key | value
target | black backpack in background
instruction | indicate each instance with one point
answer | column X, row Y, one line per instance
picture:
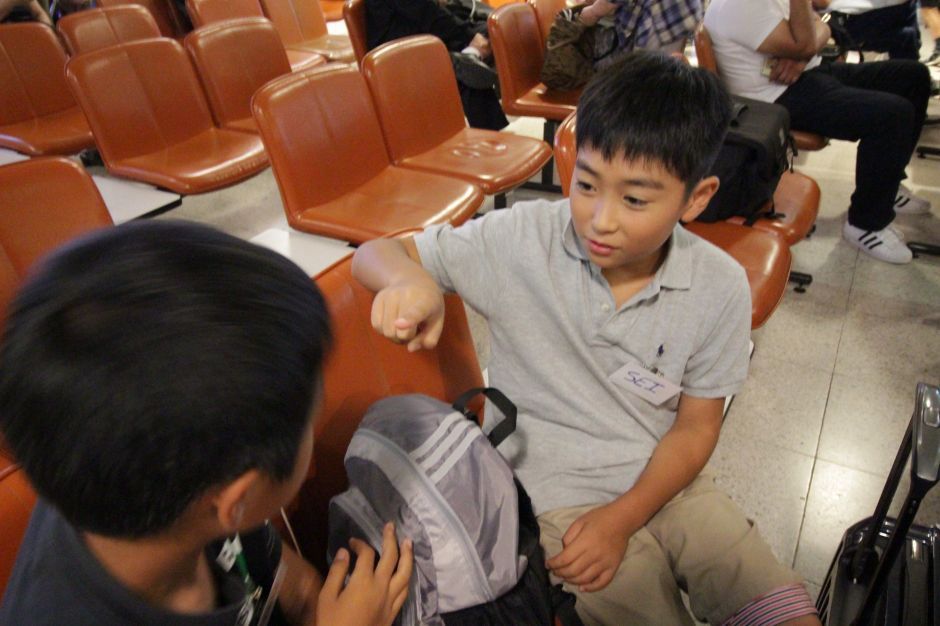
column 755, row 154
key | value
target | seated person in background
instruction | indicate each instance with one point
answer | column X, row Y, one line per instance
column 23, row 11
column 648, row 24
column 768, row 50
column 618, row 334
column 880, row 25
column 159, row 389
column 387, row 20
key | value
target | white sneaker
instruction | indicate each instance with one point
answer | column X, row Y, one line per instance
column 906, row 202
column 882, row 244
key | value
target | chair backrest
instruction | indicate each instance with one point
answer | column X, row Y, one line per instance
column 85, row 31
column 363, row 367
column 139, row 97
column 234, row 59
column 296, row 20
column 32, row 73
column 417, row 110
column 704, row 51
column 163, row 11
column 44, row 203
column 17, row 500
column 321, row 133
column 204, row 12
column 566, row 151
column 517, row 48
column 546, row 10
column 354, row 14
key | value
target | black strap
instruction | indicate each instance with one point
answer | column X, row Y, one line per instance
column 504, row 404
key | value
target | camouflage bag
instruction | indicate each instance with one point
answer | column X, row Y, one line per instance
column 573, row 49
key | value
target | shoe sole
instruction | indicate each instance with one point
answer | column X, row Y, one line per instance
column 474, row 75
column 907, row 206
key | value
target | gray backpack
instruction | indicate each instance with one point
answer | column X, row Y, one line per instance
column 426, row 466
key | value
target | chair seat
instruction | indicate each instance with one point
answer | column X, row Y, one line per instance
column 808, row 141
column 333, row 47
column 395, row 200
column 495, row 161
column 765, row 257
column 65, row 132
column 332, row 9
column 796, row 201
column 243, row 125
column 210, row 160
column 540, row 101
column 303, row 59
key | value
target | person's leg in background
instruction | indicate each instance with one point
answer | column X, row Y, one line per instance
column 891, row 29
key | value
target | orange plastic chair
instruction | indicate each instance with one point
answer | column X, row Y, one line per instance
column 332, row 168
column 302, row 26
column 546, row 10
column 151, row 120
column 354, row 14
column 423, row 123
column 164, row 13
column 206, row 12
column 332, row 10
column 765, row 256
column 234, row 59
column 705, row 53
column 38, row 114
column 92, row 29
column 519, row 51
column 363, row 367
column 44, row 203
column 17, row 500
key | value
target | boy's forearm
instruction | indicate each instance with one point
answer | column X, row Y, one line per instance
column 678, row 459
column 807, row 29
column 380, row 263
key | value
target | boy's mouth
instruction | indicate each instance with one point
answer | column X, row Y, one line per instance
column 599, row 248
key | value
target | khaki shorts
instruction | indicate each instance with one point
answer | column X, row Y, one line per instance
column 700, row 542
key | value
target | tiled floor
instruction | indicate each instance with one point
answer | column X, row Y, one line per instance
column 807, row 444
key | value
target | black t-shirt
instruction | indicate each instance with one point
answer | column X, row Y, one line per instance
column 57, row 581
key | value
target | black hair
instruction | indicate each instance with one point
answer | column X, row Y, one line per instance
column 144, row 364
column 650, row 106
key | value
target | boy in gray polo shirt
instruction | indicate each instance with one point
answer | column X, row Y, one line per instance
column 618, row 334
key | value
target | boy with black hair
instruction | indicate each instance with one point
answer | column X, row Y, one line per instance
column 618, row 334
column 159, row 387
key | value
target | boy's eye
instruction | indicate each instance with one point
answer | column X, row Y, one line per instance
column 635, row 202
column 583, row 186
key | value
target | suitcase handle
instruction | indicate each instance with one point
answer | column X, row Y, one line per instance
column 923, row 435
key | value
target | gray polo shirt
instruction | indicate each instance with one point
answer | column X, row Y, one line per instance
column 557, row 338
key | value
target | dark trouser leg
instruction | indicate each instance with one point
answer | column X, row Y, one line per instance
column 482, row 108
column 880, row 105
column 892, row 29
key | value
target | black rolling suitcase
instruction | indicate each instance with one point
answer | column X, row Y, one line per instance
column 885, row 570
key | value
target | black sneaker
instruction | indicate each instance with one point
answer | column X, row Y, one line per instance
column 473, row 72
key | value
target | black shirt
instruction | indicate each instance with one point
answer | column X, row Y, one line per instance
column 58, row 581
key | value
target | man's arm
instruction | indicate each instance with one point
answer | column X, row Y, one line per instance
column 596, row 542
column 408, row 305
column 800, row 37
column 39, row 14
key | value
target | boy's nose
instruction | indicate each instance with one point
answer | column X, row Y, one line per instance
column 603, row 218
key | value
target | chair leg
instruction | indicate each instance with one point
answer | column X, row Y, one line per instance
column 548, row 170
column 924, row 248
column 802, row 280
column 499, row 201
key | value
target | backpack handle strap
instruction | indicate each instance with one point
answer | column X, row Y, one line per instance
column 498, row 398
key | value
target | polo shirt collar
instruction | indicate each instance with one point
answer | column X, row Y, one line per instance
column 674, row 273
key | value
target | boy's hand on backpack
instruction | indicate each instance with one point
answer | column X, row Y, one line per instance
column 412, row 313
column 375, row 593
column 594, row 547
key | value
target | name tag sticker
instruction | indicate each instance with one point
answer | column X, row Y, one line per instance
column 640, row 381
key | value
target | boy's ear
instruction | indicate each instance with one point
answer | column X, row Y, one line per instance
column 231, row 501
column 699, row 198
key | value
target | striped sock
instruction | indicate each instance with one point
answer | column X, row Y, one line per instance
column 780, row 605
